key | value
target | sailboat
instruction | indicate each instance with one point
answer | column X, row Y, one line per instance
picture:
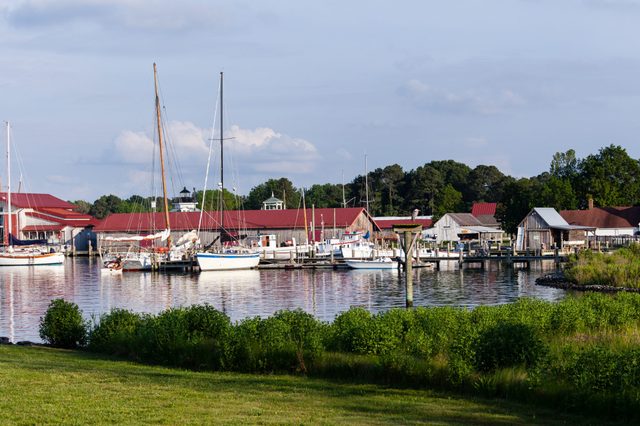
column 148, row 253
column 230, row 257
column 25, row 256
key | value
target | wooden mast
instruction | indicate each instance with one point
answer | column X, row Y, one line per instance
column 7, row 232
column 221, row 162
column 164, row 181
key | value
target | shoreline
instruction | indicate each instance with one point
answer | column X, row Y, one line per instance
column 559, row 281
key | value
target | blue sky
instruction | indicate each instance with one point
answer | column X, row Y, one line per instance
column 311, row 87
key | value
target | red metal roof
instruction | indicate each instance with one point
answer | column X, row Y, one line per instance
column 385, row 224
column 76, row 221
column 65, row 214
column 36, row 201
column 483, row 209
column 236, row 219
column 604, row 217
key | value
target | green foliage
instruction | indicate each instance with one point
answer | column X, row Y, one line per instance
column 508, row 345
column 62, row 325
column 281, row 188
column 115, row 332
column 618, row 269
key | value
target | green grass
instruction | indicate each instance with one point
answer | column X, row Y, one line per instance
column 50, row 386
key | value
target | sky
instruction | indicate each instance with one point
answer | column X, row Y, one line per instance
column 311, row 88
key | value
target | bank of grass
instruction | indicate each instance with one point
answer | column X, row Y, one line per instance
column 53, row 386
column 620, row 268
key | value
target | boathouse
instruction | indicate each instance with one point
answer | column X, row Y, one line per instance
column 464, row 226
column 287, row 225
column 544, row 228
column 45, row 217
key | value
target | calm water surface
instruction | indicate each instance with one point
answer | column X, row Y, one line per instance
column 25, row 292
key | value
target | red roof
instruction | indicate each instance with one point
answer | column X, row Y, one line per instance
column 604, row 217
column 483, row 209
column 36, row 201
column 386, row 224
column 236, row 219
column 65, row 214
column 76, row 220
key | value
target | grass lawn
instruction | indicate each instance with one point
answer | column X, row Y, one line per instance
column 43, row 385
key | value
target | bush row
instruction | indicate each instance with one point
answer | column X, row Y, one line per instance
column 445, row 346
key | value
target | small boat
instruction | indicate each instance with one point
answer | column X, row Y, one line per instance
column 377, row 263
column 112, row 269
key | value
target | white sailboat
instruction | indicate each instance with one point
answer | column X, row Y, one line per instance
column 25, row 256
column 231, row 257
column 377, row 263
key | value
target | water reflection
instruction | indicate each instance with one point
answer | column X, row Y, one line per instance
column 26, row 292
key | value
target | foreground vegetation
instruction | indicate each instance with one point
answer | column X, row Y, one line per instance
column 53, row 386
column 579, row 354
column 618, row 269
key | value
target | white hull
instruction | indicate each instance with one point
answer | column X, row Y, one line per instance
column 283, row 253
column 227, row 261
column 31, row 259
column 372, row 264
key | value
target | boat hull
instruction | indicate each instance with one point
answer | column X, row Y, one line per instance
column 18, row 259
column 227, row 261
column 371, row 264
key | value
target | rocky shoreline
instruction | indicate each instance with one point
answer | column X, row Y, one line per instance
column 558, row 280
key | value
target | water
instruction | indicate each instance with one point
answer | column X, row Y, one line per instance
column 25, row 292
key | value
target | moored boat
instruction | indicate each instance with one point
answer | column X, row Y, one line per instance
column 377, row 263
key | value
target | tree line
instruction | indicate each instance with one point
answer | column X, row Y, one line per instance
column 610, row 178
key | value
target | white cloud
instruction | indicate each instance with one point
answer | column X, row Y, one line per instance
column 259, row 150
column 133, row 147
column 470, row 101
column 269, row 151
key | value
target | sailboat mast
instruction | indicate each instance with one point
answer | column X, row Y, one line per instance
column 221, row 158
column 366, row 183
column 164, row 180
column 7, row 232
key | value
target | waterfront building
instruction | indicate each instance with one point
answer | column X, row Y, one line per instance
column 286, row 224
column 45, row 217
column 544, row 228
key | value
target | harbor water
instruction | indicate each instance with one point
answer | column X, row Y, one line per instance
column 25, row 292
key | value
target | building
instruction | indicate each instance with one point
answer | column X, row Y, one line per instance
column 185, row 202
column 613, row 225
column 273, row 203
column 464, row 226
column 486, row 214
column 287, row 225
column 386, row 223
column 544, row 228
column 45, row 217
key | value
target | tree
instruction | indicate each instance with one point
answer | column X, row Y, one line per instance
column 611, row 177
column 449, row 200
column 517, row 200
column 564, row 165
column 212, row 200
column 325, row 195
column 281, row 188
column 422, row 185
column 82, row 206
column 557, row 192
column 105, row 205
column 485, row 183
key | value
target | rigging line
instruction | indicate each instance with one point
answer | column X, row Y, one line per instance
column 206, row 176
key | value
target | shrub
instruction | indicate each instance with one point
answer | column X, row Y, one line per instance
column 354, row 331
column 115, row 333
column 63, row 326
column 508, row 345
